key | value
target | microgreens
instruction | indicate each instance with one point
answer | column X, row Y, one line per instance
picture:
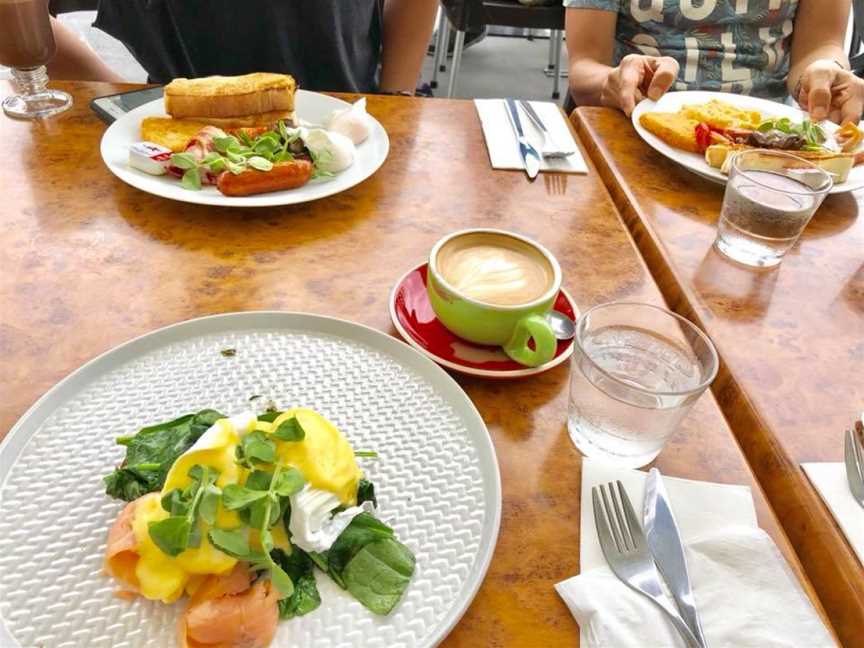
column 261, row 502
column 200, row 498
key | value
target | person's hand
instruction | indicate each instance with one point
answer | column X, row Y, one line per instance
column 827, row 91
column 637, row 77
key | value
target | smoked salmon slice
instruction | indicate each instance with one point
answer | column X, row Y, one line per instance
column 226, row 613
column 121, row 556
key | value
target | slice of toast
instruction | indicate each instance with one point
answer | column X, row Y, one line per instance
column 224, row 96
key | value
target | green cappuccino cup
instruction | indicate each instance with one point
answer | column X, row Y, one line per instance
column 494, row 287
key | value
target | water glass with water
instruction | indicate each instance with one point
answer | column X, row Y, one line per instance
column 636, row 371
column 770, row 197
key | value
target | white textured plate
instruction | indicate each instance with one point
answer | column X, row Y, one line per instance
column 310, row 106
column 674, row 101
column 436, row 479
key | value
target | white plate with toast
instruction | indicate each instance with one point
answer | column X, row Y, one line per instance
column 311, row 107
column 674, row 101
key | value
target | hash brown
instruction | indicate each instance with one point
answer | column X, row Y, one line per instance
column 673, row 128
column 721, row 115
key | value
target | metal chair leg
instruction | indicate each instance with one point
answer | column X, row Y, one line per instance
column 444, row 39
column 551, row 64
column 558, row 38
column 440, row 45
column 457, row 61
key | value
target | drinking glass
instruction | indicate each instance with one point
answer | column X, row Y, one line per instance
column 770, row 197
column 26, row 45
column 636, row 371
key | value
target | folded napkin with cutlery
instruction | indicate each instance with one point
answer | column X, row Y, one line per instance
column 744, row 590
column 501, row 140
column 830, row 480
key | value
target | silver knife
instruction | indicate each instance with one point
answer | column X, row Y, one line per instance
column 664, row 541
column 530, row 157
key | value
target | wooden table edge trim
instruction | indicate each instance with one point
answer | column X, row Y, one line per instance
column 737, row 409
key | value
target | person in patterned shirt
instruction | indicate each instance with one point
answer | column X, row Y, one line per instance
column 623, row 50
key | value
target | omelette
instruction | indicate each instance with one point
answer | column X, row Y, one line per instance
column 171, row 133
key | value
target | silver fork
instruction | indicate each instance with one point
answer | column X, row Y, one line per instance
column 623, row 543
column 549, row 148
column 855, row 462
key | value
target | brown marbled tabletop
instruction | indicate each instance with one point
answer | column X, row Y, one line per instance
column 791, row 338
column 89, row 262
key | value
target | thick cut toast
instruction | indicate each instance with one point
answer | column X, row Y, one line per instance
column 223, row 96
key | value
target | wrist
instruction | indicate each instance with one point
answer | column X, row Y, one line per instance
column 608, row 98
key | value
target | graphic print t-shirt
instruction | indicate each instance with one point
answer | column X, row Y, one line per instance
column 739, row 46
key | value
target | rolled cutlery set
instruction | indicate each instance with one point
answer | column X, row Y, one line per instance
column 634, row 555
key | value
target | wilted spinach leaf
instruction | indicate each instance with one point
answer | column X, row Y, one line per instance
column 305, row 597
column 151, row 452
column 379, row 573
column 364, row 529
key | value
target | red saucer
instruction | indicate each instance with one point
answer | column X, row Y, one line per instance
column 415, row 320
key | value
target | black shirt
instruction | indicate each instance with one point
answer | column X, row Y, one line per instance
column 324, row 44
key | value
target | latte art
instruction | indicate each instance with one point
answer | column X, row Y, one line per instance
column 495, row 269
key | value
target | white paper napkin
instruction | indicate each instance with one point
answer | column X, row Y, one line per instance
column 700, row 507
column 830, row 480
column 747, row 595
column 501, row 140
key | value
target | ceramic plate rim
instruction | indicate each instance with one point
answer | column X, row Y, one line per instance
column 149, row 184
column 695, row 163
column 36, row 415
column 471, row 371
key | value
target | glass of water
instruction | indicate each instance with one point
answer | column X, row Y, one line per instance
column 636, row 371
column 770, row 197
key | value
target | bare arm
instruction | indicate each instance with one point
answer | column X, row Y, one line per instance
column 590, row 47
column 75, row 61
column 819, row 77
column 820, row 29
column 593, row 79
column 407, row 28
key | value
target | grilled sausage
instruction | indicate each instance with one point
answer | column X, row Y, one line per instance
column 283, row 175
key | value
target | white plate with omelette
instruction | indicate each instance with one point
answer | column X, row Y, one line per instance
column 674, row 101
column 436, row 476
column 310, row 107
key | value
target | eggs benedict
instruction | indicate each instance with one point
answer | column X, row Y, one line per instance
column 241, row 519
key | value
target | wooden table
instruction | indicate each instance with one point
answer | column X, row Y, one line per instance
column 89, row 262
column 791, row 339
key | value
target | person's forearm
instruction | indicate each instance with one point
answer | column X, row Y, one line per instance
column 587, row 78
column 75, row 60
column 830, row 52
column 407, row 28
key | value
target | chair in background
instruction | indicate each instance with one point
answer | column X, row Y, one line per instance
column 856, row 56
column 466, row 15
